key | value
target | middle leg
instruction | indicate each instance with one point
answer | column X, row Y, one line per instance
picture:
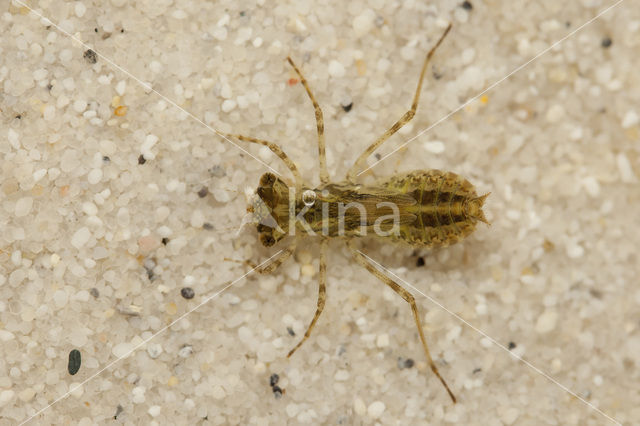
column 322, row 294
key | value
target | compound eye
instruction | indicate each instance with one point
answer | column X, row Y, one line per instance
column 309, row 197
column 267, row 240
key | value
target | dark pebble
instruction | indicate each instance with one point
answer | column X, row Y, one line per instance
column 106, row 159
column 277, row 392
column 203, row 192
column 207, row 226
column 405, row 363
column 75, row 360
column 347, row 107
column 119, row 411
column 187, row 292
column 466, row 5
column 141, row 159
column 420, row 261
column 290, row 331
column 165, row 241
column 94, row 292
column 273, row 380
column 606, row 42
column 90, row 56
column 512, row 345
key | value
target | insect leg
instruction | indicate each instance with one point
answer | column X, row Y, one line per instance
column 279, row 259
column 273, row 265
column 412, row 302
column 277, row 151
column 351, row 175
column 322, row 156
column 322, row 292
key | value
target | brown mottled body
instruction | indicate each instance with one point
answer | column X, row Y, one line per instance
column 447, row 207
column 424, row 208
column 435, row 209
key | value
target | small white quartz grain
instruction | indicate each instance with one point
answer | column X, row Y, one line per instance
column 76, row 389
column 185, row 351
column 40, row 74
column 359, row 407
column 155, row 67
column 89, row 208
column 39, row 174
column 575, row 251
column 121, row 87
column 336, row 69
column 341, row 375
column 80, row 9
column 154, row 350
column 364, row 22
column 60, row 298
column 94, row 176
column 624, row 167
column 292, row 409
column 435, row 147
column 382, row 341
column 6, row 396
column 509, row 416
column 49, row 112
column 14, row 138
column 197, row 218
column 591, row 185
column 154, row 410
column 630, row 119
column 5, row 335
column 546, row 322
column 218, row 392
column 376, row 409
column 118, row 3
column 555, row 113
column 221, row 195
column 228, row 105
column 138, row 394
column 122, row 217
column 122, row 349
column 149, row 141
column 79, row 105
column 80, row 237
column 23, row 206
column 27, row 394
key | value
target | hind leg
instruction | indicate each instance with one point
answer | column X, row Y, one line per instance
column 408, row 297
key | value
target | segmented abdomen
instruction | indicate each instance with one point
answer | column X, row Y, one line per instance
column 441, row 219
